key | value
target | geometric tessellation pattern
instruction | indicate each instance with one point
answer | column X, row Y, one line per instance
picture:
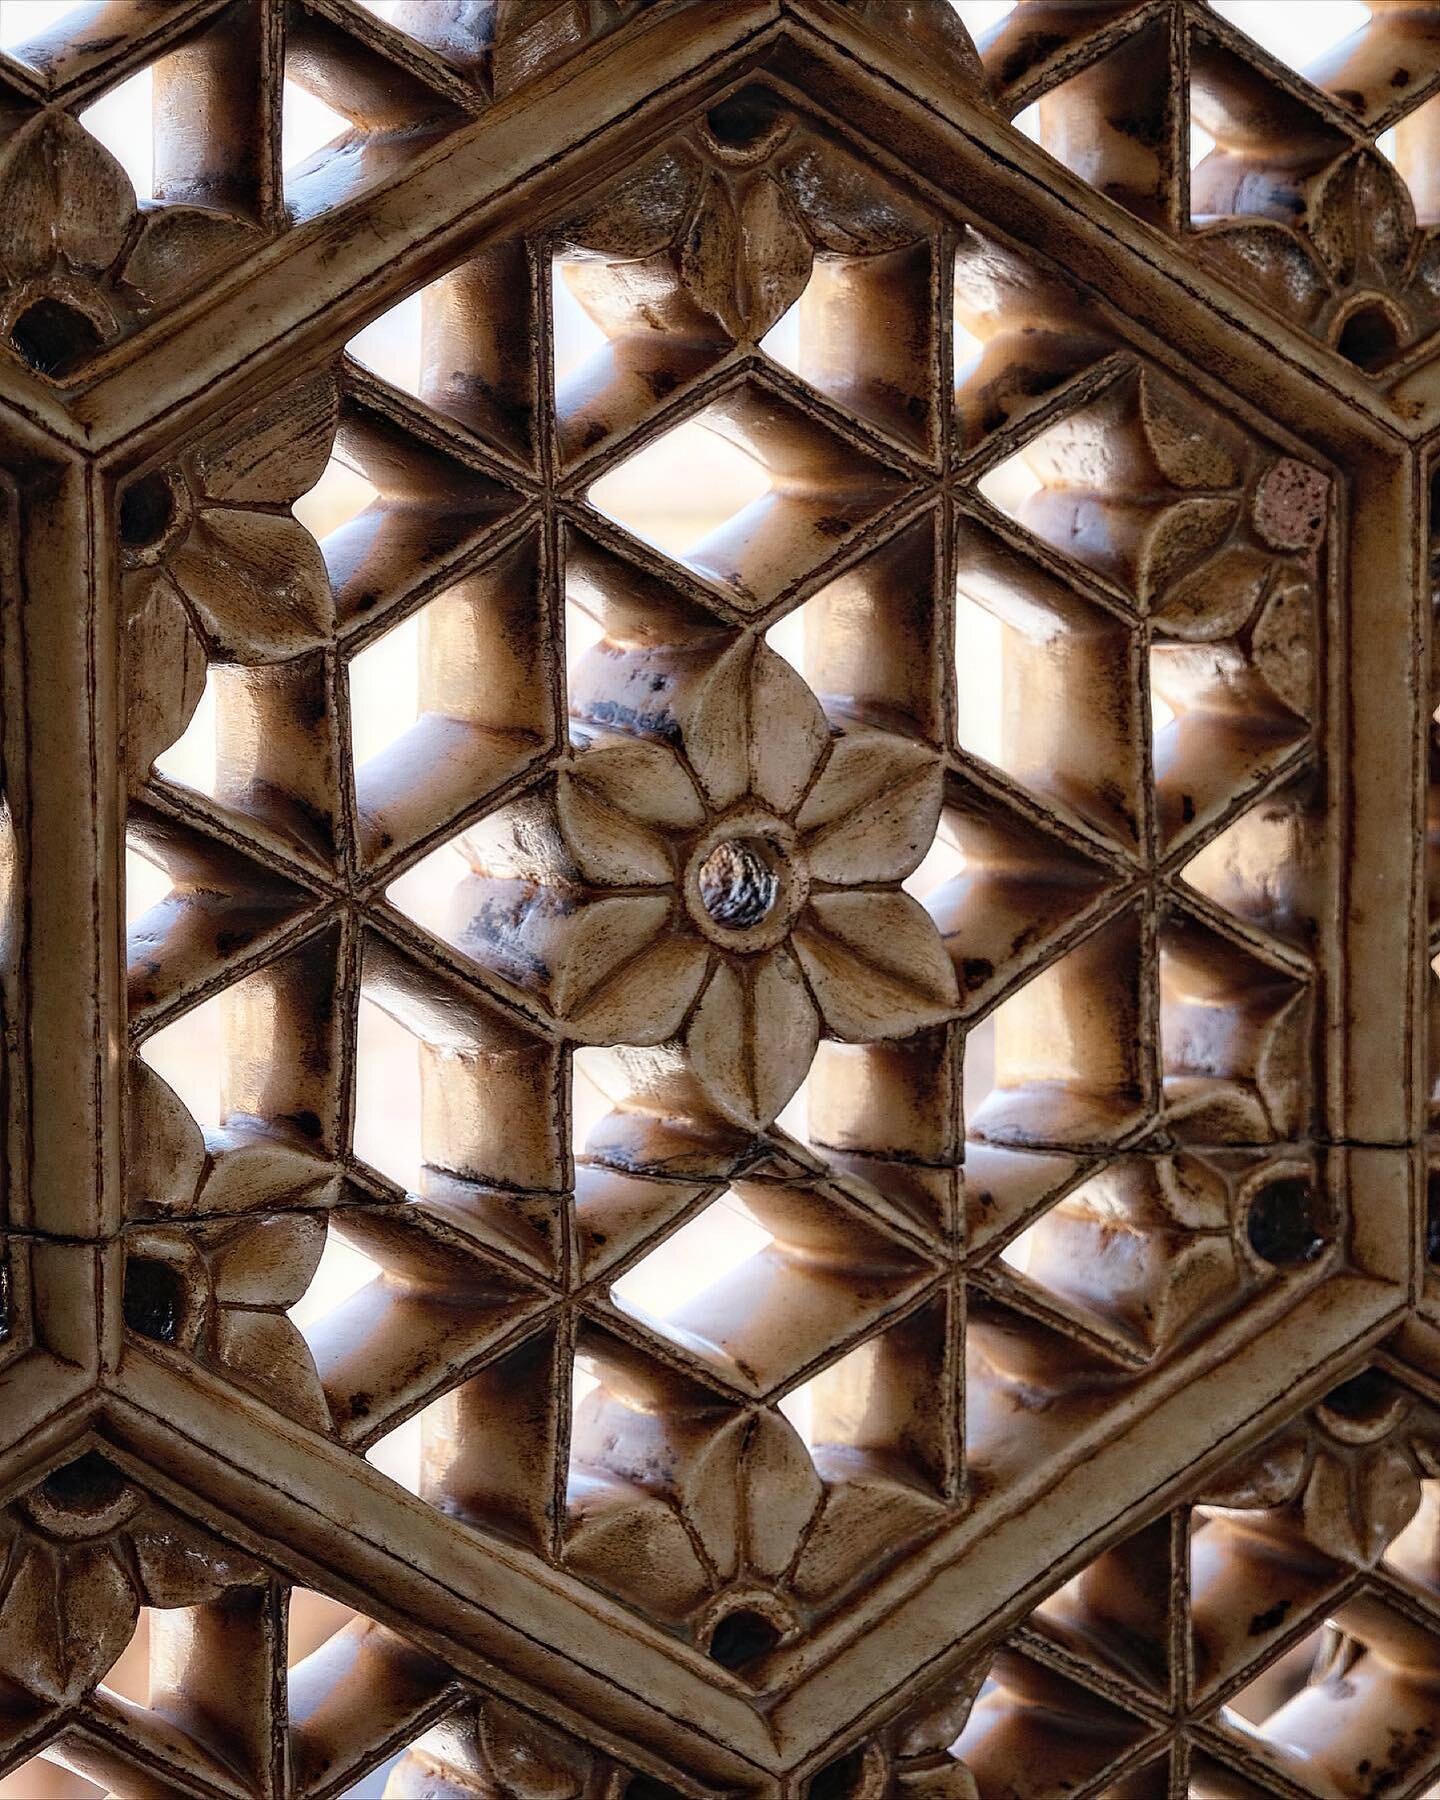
column 718, row 969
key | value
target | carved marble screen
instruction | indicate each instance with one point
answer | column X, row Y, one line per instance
column 715, row 945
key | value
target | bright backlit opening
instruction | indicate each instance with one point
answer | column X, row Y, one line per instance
column 385, row 690
column 1018, row 1252
column 577, row 336
column 390, row 345
column 387, row 1096
column 981, row 16
column 398, row 1454
column 692, row 1259
column 146, row 885
column 307, row 124
column 979, row 679
column 21, row 20
column 589, row 1103
column 1010, row 484
column 342, row 1271
column 123, row 122
column 341, row 494
column 943, row 862
column 1297, row 35
column 193, row 758
column 189, row 1056
column 1028, row 121
column 680, row 488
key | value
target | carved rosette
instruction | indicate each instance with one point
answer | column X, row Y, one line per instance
column 722, row 873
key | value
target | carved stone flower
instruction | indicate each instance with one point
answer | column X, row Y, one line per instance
column 218, row 1291
column 1349, row 1476
column 216, row 566
column 725, row 870
column 1359, row 273
column 85, row 1551
column 740, row 212
column 80, row 263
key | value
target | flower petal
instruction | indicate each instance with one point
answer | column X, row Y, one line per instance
column 1353, row 1508
column 783, row 1494
column 608, row 846
column 180, row 1565
column 846, row 207
column 646, row 1001
column 1362, row 221
column 876, row 965
column 528, row 1759
column 645, row 213
column 756, row 726
column 267, row 1261
column 66, row 1618
column 265, row 1352
column 754, row 1037
column 275, row 451
column 643, row 779
column 165, row 1148
column 257, row 581
column 164, row 674
column 746, row 264
column 874, row 811
column 1273, row 261
column 61, row 194
column 178, row 247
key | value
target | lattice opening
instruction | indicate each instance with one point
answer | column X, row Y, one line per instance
column 341, row 1271
column 707, row 480
column 43, row 1778
column 25, row 21
column 1299, row 43
column 122, row 121
column 352, row 109
column 721, row 1239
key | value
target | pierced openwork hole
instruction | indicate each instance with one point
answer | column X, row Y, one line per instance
column 1362, row 1397
column 1432, row 1218
column 1283, row 1222
column 738, row 886
column 154, row 1301
column 646, row 1787
column 54, row 337
column 88, row 1486
column 147, row 510
column 745, row 126
column 743, row 1637
column 1369, row 338
column 857, row 1776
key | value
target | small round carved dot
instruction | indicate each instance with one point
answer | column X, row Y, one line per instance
column 53, row 337
column 154, row 1300
column 743, row 1637
column 147, row 510
column 738, row 886
column 1283, row 1225
column 1290, row 505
